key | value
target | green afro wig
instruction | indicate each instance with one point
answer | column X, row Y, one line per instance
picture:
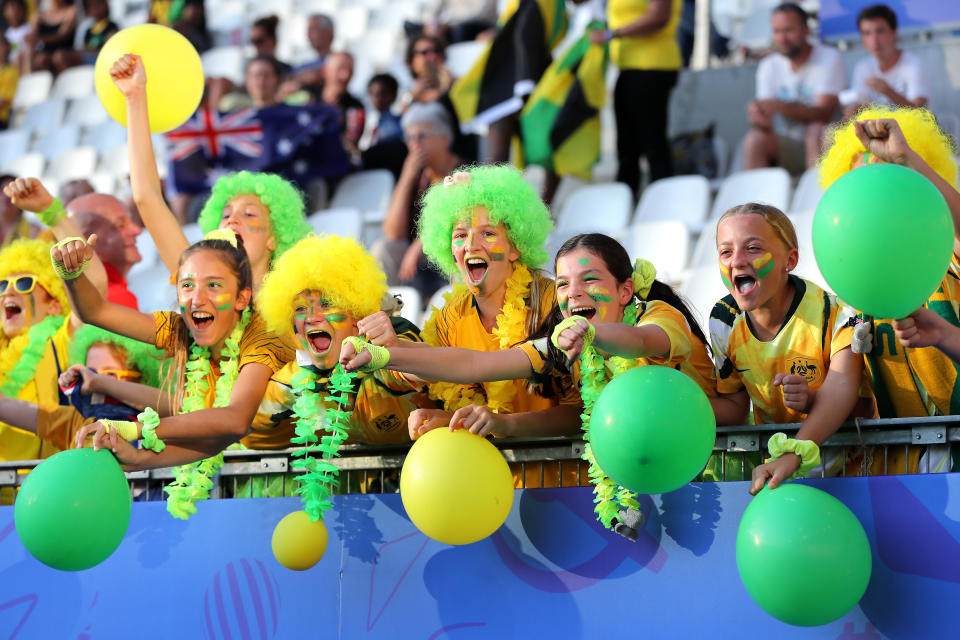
column 919, row 128
column 506, row 196
column 141, row 356
column 33, row 256
column 338, row 267
column 287, row 221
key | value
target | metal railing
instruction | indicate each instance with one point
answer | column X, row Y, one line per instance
column 865, row 447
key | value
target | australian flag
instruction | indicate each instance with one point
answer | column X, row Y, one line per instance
column 301, row 143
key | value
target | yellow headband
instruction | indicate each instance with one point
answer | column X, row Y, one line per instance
column 644, row 273
column 222, row 234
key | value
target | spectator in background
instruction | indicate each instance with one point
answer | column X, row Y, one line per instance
column 262, row 80
column 9, row 76
column 51, row 30
column 95, row 36
column 382, row 91
column 889, row 75
column 186, row 16
column 461, row 20
column 643, row 43
column 426, row 60
column 74, row 189
column 800, row 84
column 17, row 34
column 13, row 226
column 320, row 37
column 263, row 37
column 427, row 131
column 337, row 73
column 117, row 252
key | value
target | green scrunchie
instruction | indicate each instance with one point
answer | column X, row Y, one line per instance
column 379, row 356
column 53, row 214
column 58, row 264
column 124, row 428
column 567, row 323
column 150, row 420
column 808, row 451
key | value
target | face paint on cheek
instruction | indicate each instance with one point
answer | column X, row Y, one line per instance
column 725, row 276
column 255, row 226
column 599, row 294
column 497, row 252
column 763, row 265
column 564, row 304
column 223, row 301
column 459, row 243
column 336, row 318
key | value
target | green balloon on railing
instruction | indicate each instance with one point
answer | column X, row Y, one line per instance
column 883, row 237
column 73, row 510
column 802, row 555
column 652, row 429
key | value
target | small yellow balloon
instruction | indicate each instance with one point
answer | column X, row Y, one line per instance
column 173, row 69
column 456, row 486
column 298, row 542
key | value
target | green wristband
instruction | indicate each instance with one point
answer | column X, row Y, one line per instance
column 379, row 356
column 124, row 428
column 150, row 420
column 808, row 451
column 53, row 214
column 567, row 323
column 58, row 265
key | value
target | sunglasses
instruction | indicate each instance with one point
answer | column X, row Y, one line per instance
column 121, row 374
column 21, row 284
column 425, row 52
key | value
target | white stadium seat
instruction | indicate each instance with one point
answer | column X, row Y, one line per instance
column 366, row 191
column 703, row 288
column 604, row 208
column 769, row 186
column 665, row 243
column 78, row 162
column 32, row 89
column 86, row 111
column 76, row 82
column 224, row 62
column 344, row 221
column 43, row 116
column 808, row 192
column 13, row 143
column 57, row 140
column 684, row 199
column 28, row 165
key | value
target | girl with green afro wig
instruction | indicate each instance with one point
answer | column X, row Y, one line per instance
column 508, row 199
column 920, row 129
column 139, row 356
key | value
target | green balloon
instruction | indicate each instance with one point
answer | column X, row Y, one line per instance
column 73, row 510
column 802, row 555
column 652, row 429
column 883, row 238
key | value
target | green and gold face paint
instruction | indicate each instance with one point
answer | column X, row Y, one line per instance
column 725, row 276
column 763, row 265
column 223, row 301
column 497, row 251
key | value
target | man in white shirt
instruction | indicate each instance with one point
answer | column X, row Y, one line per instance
column 889, row 75
column 797, row 90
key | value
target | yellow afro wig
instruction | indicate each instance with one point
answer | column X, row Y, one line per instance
column 919, row 128
column 33, row 256
column 341, row 269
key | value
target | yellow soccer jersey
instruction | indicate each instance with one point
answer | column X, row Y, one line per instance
column 817, row 326
column 17, row 444
column 688, row 354
column 917, row 382
column 458, row 324
column 381, row 406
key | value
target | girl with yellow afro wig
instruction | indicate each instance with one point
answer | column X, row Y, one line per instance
column 33, row 257
column 919, row 127
column 346, row 275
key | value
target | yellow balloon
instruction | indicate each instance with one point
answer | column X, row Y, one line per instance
column 456, row 486
column 298, row 542
column 173, row 69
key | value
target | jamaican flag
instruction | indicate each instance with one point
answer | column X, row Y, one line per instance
column 507, row 72
column 560, row 125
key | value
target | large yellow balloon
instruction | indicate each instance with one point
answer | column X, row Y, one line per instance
column 174, row 75
column 298, row 542
column 456, row 486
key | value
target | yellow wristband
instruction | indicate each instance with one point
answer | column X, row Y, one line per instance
column 125, row 429
column 572, row 321
column 58, row 265
column 379, row 356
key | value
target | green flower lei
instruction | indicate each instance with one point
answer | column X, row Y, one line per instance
column 193, row 481
column 22, row 372
column 321, row 476
column 609, row 497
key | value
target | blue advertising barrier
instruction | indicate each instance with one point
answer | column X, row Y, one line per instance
column 550, row 572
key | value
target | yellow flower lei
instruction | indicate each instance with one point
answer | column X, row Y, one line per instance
column 193, row 481
column 510, row 330
column 21, row 355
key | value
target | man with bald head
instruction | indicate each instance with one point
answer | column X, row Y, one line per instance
column 117, row 235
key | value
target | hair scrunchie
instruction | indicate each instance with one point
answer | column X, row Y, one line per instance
column 644, row 273
column 227, row 235
column 573, row 321
column 151, row 420
column 808, row 451
column 379, row 356
column 58, row 265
